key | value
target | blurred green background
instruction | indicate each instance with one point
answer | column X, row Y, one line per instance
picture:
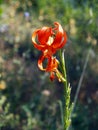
column 28, row 99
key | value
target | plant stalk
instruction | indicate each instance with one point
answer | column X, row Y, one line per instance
column 67, row 90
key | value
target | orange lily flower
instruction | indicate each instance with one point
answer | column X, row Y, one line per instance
column 49, row 40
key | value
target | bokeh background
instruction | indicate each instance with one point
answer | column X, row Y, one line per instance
column 28, row 99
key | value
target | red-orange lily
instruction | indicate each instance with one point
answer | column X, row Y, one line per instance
column 49, row 40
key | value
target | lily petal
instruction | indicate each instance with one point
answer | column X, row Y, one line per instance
column 60, row 38
column 36, row 45
column 40, row 63
column 44, row 34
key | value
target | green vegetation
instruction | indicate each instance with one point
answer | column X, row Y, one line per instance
column 28, row 99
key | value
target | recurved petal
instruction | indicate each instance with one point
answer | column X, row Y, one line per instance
column 36, row 45
column 60, row 37
column 44, row 34
column 40, row 63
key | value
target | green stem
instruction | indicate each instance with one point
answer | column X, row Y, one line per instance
column 66, row 93
column 68, row 109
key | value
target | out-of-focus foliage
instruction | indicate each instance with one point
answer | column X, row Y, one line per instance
column 28, row 100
